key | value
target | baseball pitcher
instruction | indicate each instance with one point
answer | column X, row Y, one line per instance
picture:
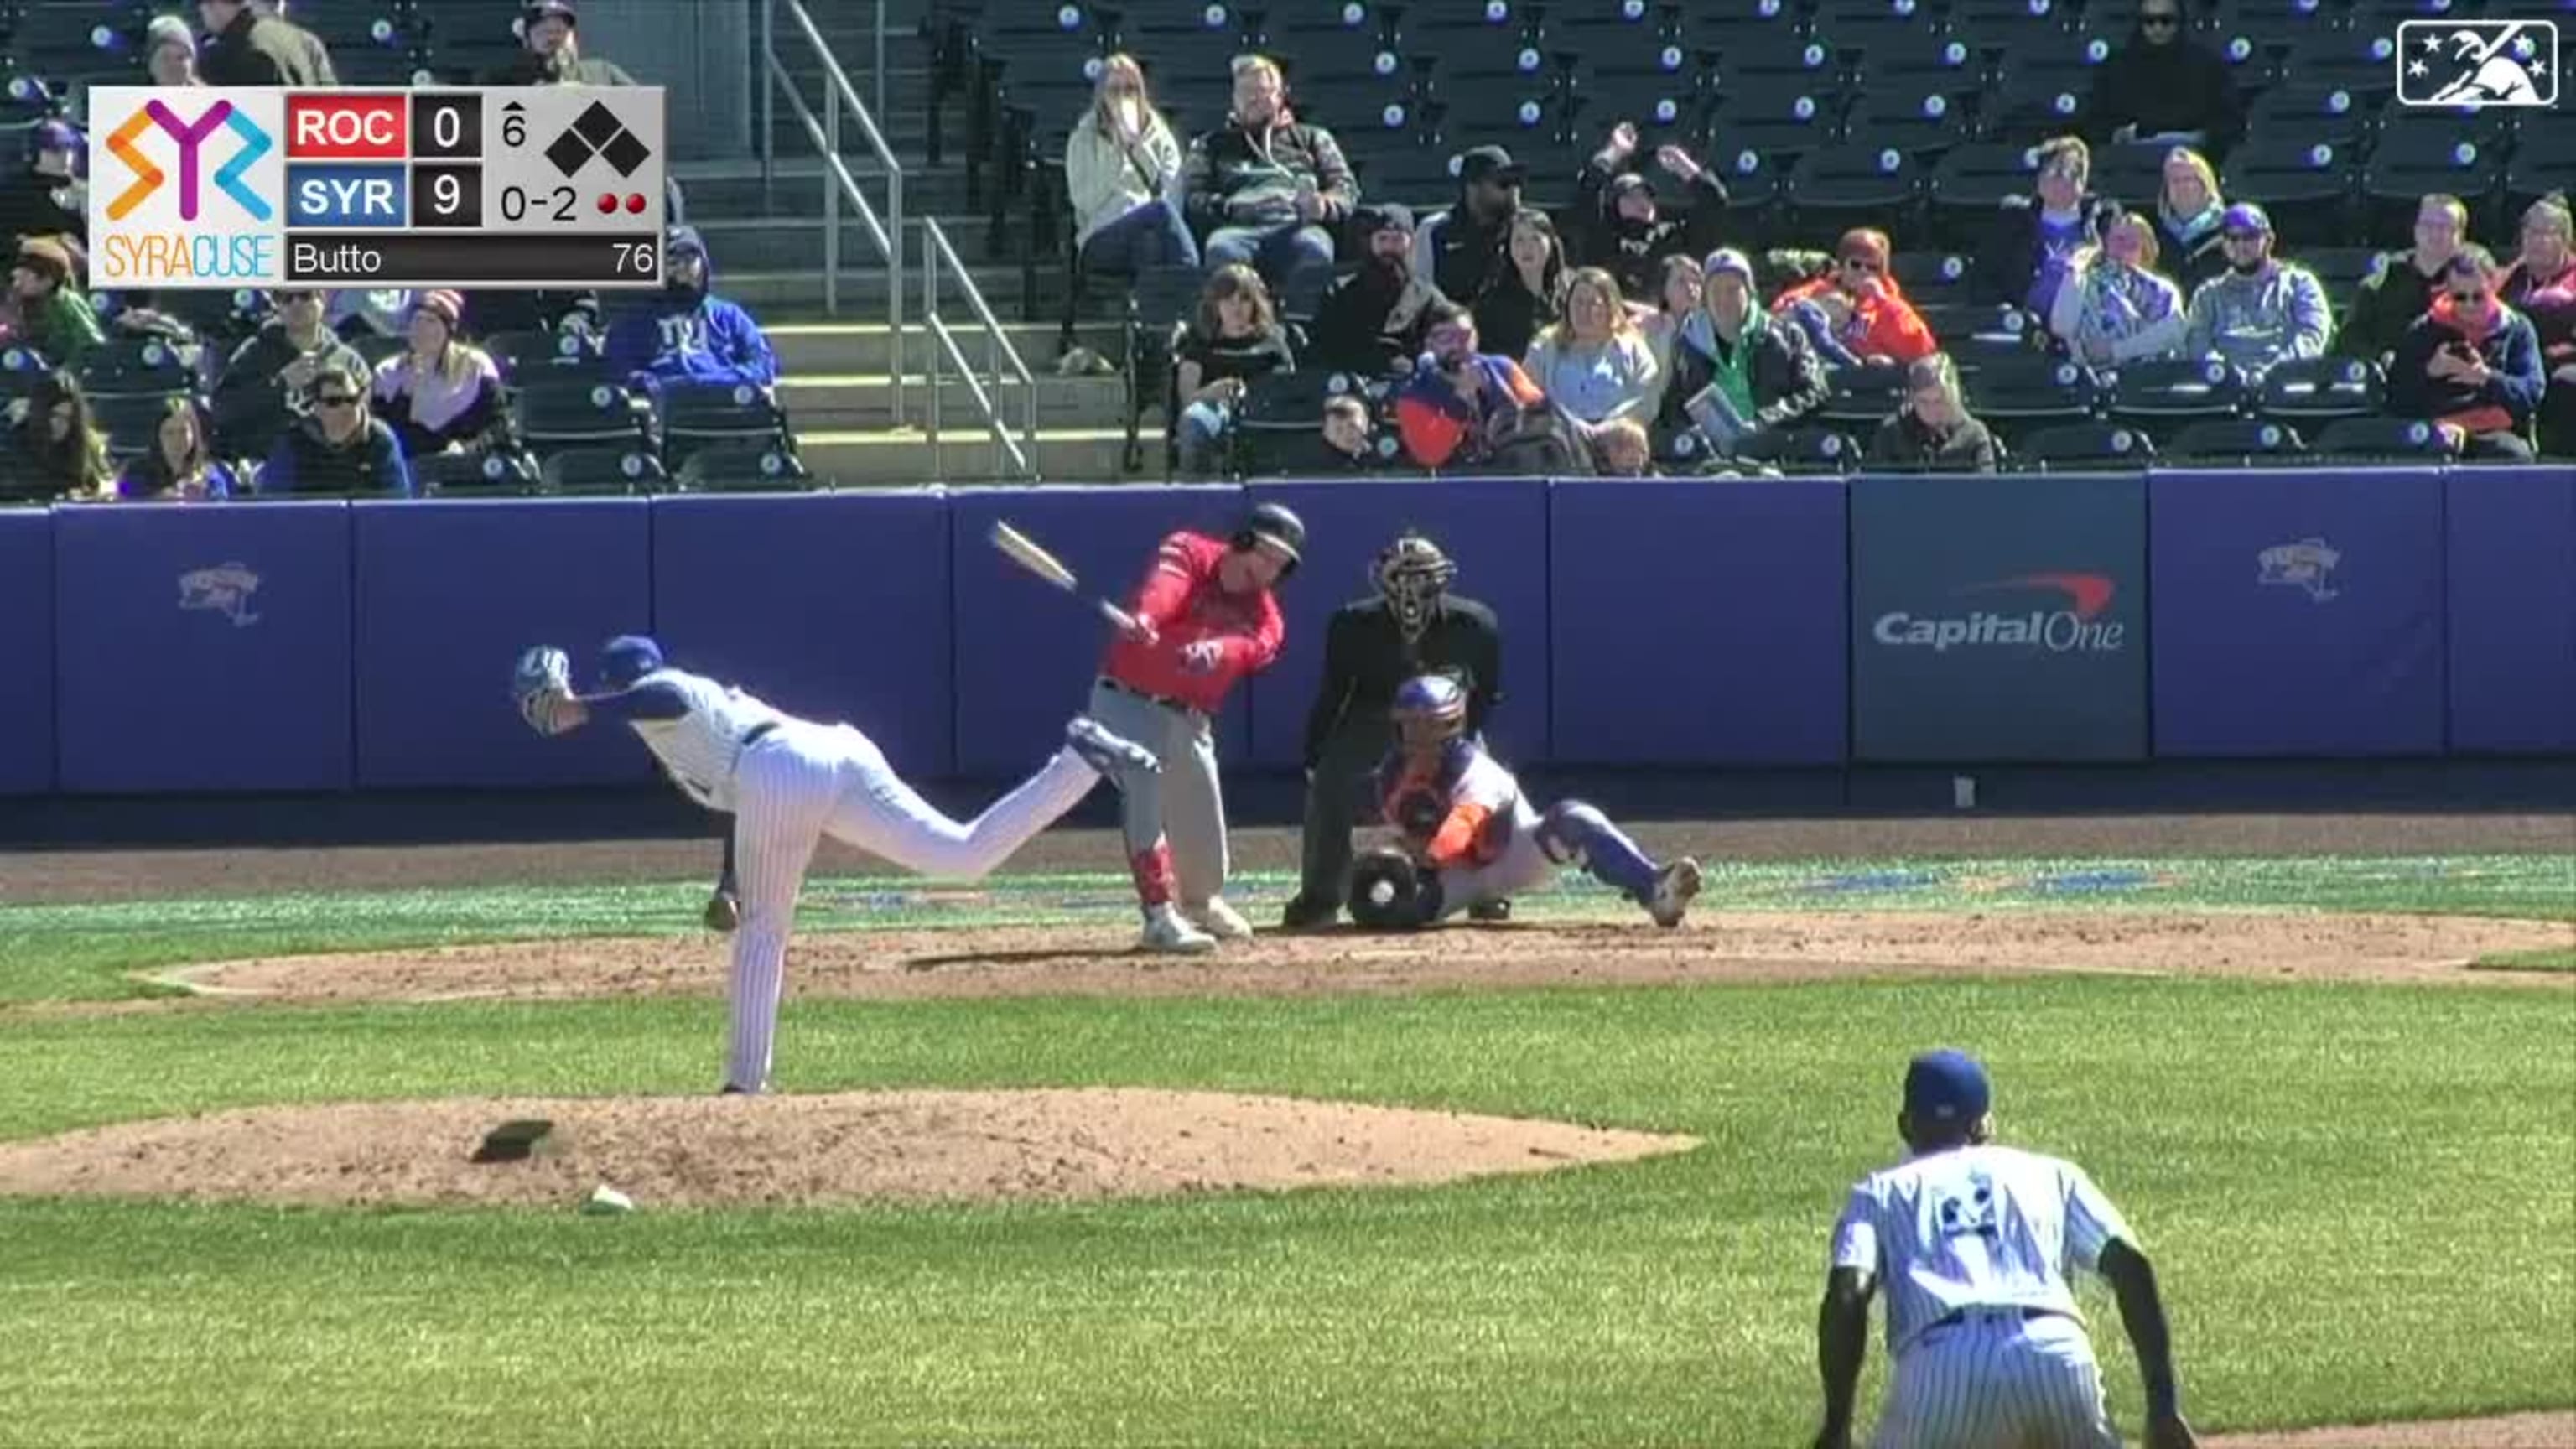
column 1975, row 1243
column 787, row 783
column 1471, row 836
column 1204, row 619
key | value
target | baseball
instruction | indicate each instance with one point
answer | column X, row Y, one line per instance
column 1381, row 893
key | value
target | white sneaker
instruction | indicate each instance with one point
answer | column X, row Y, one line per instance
column 1221, row 920
column 1166, row 931
column 1675, row 884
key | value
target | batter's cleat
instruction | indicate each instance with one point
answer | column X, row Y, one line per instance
column 1490, row 913
column 1221, row 920
column 1675, row 884
column 723, row 913
column 1113, row 755
column 1168, row 933
column 1304, row 913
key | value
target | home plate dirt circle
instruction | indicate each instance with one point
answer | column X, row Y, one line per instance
column 792, row 1150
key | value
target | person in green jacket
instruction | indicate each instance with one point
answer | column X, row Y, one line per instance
column 53, row 317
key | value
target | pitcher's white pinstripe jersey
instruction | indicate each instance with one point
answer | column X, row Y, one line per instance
column 698, row 749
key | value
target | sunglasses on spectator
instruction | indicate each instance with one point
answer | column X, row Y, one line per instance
column 1860, row 264
column 2243, row 236
column 2470, row 299
column 2162, row 21
column 336, row 400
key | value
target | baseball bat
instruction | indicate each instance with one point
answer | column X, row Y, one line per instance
column 1025, row 551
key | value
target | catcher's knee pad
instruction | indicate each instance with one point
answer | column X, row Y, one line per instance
column 1568, row 828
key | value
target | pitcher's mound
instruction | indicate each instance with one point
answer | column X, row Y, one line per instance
column 789, row 1150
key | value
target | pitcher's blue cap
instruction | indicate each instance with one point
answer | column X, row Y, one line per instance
column 628, row 658
column 1946, row 1086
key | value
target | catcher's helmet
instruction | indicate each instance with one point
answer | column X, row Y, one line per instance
column 1273, row 524
column 1430, row 709
column 1412, row 573
column 626, row 659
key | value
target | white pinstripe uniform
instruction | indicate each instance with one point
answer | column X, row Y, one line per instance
column 795, row 782
column 1975, row 1246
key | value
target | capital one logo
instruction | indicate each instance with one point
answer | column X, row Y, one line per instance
column 191, row 137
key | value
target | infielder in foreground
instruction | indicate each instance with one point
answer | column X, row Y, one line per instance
column 788, row 783
column 1471, row 836
column 1203, row 619
column 1975, row 1243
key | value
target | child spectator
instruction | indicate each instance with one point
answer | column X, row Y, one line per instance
column 1235, row 338
column 1933, row 429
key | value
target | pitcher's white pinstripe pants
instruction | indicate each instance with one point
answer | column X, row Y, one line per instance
column 1998, row 1381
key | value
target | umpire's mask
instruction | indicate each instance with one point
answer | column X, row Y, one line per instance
column 1412, row 574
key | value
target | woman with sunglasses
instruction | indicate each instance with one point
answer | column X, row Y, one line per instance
column 339, row 449
column 1855, row 312
column 2471, row 365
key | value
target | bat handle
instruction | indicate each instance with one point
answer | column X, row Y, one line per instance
column 1116, row 616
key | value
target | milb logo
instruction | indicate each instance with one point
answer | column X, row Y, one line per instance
column 190, row 209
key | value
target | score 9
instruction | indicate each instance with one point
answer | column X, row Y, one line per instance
column 446, row 196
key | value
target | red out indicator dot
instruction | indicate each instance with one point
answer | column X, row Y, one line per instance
column 635, row 202
column 607, row 203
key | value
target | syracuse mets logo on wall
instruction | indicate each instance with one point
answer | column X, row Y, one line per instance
column 185, row 186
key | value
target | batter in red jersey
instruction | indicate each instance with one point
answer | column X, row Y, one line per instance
column 1204, row 619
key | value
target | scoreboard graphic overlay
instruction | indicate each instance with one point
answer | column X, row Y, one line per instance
column 480, row 187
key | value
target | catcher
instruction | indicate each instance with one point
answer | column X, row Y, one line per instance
column 1470, row 835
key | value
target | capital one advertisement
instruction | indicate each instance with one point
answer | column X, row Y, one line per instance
column 1997, row 620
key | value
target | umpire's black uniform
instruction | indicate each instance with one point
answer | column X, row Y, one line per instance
column 1365, row 658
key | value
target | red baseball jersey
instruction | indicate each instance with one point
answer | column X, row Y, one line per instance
column 1181, row 596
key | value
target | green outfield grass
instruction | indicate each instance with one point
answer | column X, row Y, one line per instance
column 2362, row 1199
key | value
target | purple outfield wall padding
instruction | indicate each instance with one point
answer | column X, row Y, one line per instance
column 27, row 634
column 1496, row 529
column 203, row 648
column 449, row 595
column 2297, row 612
column 2512, row 609
column 1698, row 624
column 1999, row 618
column 1026, row 652
column 832, row 606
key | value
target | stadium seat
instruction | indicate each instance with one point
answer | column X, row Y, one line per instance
column 131, row 419
column 2305, row 186
column 743, row 467
column 1911, row 53
column 2091, row 443
column 694, row 415
column 1862, row 396
column 472, row 474
column 2234, row 440
column 2544, row 155
column 515, row 353
column 1858, row 183
column 2319, row 389
column 2316, row 113
column 1779, row 118
column 1163, row 299
column 2016, row 393
column 1809, row 449
column 1912, row 114
column 1930, row 277
column 2363, row 62
column 2382, row 439
column 2176, row 388
column 2281, row 22
column 150, row 366
column 550, row 412
column 1969, row 184
column 2131, row 174
column 2425, row 156
column 603, row 470
column 2341, row 270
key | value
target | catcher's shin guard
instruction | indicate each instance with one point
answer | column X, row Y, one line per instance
column 1573, row 833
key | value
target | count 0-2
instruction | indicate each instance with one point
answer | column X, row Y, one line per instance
column 515, row 203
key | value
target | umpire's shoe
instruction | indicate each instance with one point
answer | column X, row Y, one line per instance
column 1113, row 755
column 1490, row 913
column 1305, row 913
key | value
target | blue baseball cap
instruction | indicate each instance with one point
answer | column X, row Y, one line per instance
column 628, row 658
column 2245, row 216
column 1946, row 1086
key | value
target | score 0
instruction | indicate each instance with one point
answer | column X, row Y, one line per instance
column 447, row 127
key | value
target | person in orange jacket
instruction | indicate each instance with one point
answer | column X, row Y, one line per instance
column 1856, row 312
column 1459, row 402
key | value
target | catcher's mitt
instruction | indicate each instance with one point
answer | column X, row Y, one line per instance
column 1390, row 891
column 544, row 675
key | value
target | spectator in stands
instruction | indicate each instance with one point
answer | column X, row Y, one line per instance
column 1349, row 436
column 1735, row 371
column 2471, row 364
column 552, row 54
column 1624, row 232
column 2187, row 216
column 1595, row 364
column 1269, row 188
column 2402, row 285
column 2035, row 245
column 1620, row 450
column 1526, row 294
column 47, row 198
column 2264, row 309
column 1462, row 249
column 1856, row 312
column 1235, row 338
column 180, row 465
column 1373, row 320
column 60, row 452
column 1460, row 404
column 1933, row 429
column 2164, row 87
column 170, row 52
column 1121, row 164
column 1677, row 297
column 339, row 448
column 686, row 332
column 441, row 394
column 2541, row 285
column 54, row 318
column 245, row 48
column 264, row 385
column 315, row 56
column 2116, row 307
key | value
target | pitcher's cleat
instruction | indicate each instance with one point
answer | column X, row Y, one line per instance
column 1113, row 755
column 1675, row 885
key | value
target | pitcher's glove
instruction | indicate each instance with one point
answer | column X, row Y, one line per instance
column 544, row 675
column 1391, row 891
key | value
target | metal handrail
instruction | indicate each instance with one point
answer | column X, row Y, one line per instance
column 1012, row 453
column 886, row 232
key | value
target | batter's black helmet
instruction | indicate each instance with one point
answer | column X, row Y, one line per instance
column 1273, row 524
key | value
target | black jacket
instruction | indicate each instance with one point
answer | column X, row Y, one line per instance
column 1904, row 442
column 1463, row 256
column 528, row 68
column 35, row 204
column 253, row 51
column 1371, row 322
column 2386, row 306
column 1365, row 661
column 1634, row 252
column 1788, row 379
column 2010, row 259
column 2181, row 86
column 1232, row 178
